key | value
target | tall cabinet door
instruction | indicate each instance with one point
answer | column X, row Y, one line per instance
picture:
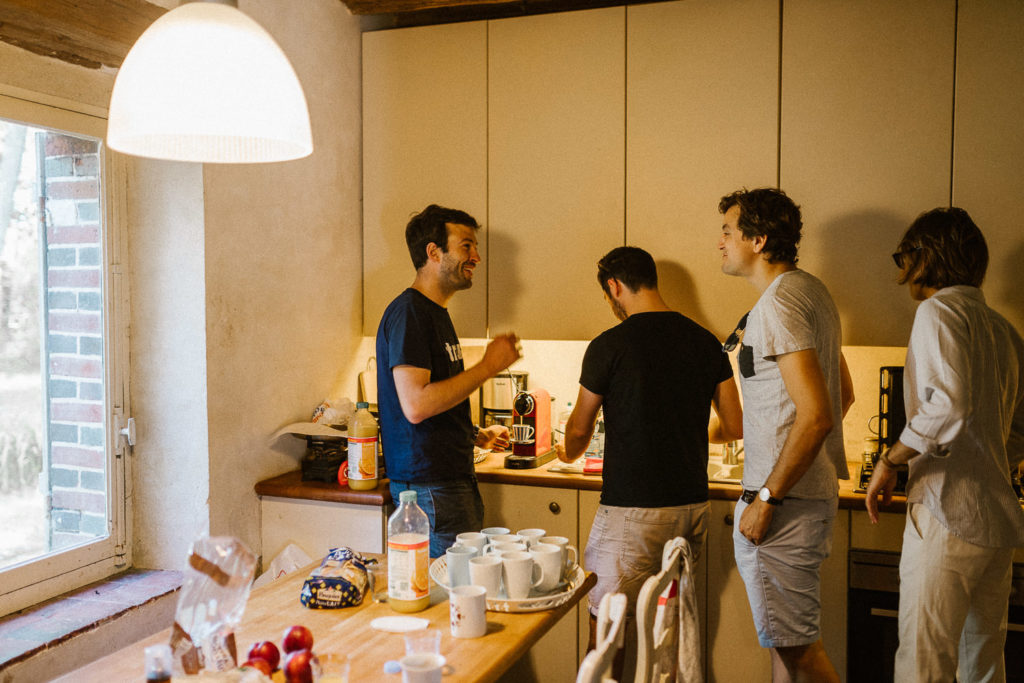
column 424, row 142
column 701, row 121
column 867, row 113
column 988, row 152
column 556, row 177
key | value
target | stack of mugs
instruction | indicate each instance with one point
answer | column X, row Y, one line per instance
column 511, row 565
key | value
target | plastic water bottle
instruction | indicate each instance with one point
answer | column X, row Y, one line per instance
column 408, row 556
column 363, row 435
column 563, row 419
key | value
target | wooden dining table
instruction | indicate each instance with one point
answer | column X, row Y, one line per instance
column 273, row 608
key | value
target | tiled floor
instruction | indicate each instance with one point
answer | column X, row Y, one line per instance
column 31, row 630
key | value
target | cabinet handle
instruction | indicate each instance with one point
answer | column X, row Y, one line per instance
column 728, row 519
column 555, row 508
column 879, row 612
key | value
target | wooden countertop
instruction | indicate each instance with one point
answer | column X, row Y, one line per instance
column 274, row 607
column 492, row 470
column 290, row 485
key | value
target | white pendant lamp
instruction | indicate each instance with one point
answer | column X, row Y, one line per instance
column 206, row 83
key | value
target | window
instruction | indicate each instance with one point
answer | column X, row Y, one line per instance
column 63, row 351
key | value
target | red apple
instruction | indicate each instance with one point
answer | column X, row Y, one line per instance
column 297, row 638
column 300, row 665
column 261, row 664
column 266, row 651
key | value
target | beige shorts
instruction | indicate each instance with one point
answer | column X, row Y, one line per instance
column 626, row 543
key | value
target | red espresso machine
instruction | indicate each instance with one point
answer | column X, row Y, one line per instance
column 530, row 430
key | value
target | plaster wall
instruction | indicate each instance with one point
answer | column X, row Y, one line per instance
column 283, row 269
column 168, row 356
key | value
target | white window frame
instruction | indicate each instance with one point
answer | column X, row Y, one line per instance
column 33, row 581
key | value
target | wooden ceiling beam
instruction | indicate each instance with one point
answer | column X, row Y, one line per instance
column 85, row 32
column 401, row 6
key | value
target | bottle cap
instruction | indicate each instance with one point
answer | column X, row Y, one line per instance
column 407, row 497
column 362, row 404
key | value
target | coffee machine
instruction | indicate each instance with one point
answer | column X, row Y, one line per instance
column 530, row 430
column 497, row 395
column 892, row 418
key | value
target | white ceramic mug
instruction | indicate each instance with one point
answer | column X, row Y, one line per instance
column 472, row 539
column 468, row 611
column 458, row 557
column 517, row 573
column 522, row 433
column 424, row 667
column 492, row 531
column 498, row 548
column 486, row 571
column 531, row 536
column 549, row 558
column 570, row 558
column 505, row 538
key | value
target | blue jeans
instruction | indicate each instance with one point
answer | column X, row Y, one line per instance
column 452, row 507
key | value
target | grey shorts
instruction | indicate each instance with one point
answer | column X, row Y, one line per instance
column 782, row 574
column 625, row 545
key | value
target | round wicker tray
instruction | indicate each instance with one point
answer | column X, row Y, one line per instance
column 439, row 573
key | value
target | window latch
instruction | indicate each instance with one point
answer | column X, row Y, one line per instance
column 128, row 431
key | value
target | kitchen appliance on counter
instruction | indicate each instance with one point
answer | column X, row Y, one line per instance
column 531, row 430
column 497, row 395
column 892, row 418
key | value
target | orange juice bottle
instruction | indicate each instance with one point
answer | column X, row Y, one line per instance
column 408, row 556
column 362, row 449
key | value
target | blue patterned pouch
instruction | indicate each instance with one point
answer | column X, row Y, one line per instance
column 341, row 580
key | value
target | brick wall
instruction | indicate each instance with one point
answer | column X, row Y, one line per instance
column 74, row 339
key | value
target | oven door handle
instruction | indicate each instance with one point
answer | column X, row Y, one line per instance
column 893, row 614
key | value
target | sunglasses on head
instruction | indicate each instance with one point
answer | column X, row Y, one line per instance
column 733, row 340
column 899, row 256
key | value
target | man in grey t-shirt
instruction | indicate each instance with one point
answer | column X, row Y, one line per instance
column 796, row 388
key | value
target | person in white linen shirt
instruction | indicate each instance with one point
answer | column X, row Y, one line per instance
column 964, row 393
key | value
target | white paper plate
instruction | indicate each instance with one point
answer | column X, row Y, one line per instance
column 399, row 624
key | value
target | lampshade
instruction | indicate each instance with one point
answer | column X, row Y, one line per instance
column 207, row 83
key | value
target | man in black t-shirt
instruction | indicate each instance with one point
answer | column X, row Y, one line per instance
column 656, row 375
column 423, row 387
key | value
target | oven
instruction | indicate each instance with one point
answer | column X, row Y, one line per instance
column 873, row 603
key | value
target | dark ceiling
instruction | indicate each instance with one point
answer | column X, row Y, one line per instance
column 95, row 33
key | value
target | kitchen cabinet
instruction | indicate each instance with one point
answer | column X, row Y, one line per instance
column 554, row 658
column 316, row 526
column 424, row 142
column 556, row 138
column 730, row 626
column 701, row 121
column 988, row 144
column 589, row 501
column 866, row 144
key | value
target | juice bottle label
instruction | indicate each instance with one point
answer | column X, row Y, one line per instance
column 408, row 565
column 362, row 457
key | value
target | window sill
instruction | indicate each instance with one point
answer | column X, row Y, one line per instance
column 31, row 631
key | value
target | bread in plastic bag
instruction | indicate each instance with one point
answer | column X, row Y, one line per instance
column 341, row 580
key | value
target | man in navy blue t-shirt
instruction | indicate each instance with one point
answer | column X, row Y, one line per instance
column 423, row 387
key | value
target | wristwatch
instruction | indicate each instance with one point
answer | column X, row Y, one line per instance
column 766, row 495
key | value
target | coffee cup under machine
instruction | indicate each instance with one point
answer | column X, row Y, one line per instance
column 497, row 395
column 530, row 430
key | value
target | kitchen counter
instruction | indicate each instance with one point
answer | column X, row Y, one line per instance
column 492, row 470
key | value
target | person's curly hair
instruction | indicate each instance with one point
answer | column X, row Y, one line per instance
column 769, row 212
